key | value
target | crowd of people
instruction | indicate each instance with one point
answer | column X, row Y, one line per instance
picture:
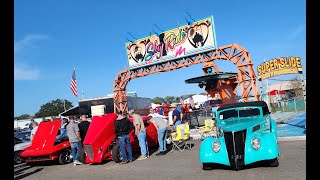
column 163, row 124
column 76, row 133
column 164, row 120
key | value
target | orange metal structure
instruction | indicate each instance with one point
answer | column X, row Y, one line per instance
column 224, row 84
column 235, row 53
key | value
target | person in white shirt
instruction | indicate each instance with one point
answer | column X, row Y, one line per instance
column 154, row 114
column 170, row 117
column 34, row 130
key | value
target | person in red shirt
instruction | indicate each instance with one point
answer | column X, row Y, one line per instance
column 186, row 113
column 166, row 109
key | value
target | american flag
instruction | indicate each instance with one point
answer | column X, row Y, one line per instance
column 73, row 84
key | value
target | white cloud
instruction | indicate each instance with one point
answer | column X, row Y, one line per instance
column 27, row 41
column 297, row 31
column 23, row 72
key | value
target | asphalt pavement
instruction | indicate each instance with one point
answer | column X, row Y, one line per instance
column 174, row 165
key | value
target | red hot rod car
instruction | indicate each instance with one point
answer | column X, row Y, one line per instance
column 49, row 143
column 100, row 142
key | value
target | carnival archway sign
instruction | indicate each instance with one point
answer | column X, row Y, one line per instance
column 182, row 47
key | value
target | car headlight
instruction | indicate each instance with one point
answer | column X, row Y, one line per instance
column 255, row 143
column 216, row 146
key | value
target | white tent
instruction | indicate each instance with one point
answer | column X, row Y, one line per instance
column 198, row 99
column 153, row 105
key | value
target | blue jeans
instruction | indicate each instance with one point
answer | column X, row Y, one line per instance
column 75, row 149
column 143, row 144
column 176, row 124
column 125, row 143
column 162, row 134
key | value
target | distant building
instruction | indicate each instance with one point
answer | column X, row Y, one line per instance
column 281, row 90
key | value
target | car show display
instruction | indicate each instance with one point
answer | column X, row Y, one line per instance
column 246, row 134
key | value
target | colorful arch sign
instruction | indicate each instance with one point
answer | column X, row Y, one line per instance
column 173, row 44
column 279, row 66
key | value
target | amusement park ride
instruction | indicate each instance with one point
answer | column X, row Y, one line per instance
column 214, row 81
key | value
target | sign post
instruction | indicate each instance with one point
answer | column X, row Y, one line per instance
column 303, row 86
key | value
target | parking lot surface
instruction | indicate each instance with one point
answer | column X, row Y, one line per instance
column 173, row 165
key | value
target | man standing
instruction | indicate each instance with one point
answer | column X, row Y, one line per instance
column 162, row 127
column 122, row 128
column 31, row 124
column 176, row 117
column 34, row 129
column 170, row 119
column 83, row 127
column 140, row 131
column 75, row 140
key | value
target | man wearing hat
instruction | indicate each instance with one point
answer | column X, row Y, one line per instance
column 176, row 116
column 141, row 133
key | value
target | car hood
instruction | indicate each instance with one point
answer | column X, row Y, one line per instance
column 44, row 137
column 236, row 124
column 99, row 136
column 22, row 146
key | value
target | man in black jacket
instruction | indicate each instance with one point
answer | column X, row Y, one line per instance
column 122, row 128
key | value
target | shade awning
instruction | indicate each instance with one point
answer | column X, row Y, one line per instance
column 71, row 112
column 275, row 92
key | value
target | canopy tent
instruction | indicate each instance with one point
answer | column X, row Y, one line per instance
column 198, row 99
column 71, row 112
column 153, row 105
column 275, row 92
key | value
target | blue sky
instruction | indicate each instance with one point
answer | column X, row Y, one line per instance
column 53, row 37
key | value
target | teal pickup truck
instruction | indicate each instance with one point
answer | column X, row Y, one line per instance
column 246, row 134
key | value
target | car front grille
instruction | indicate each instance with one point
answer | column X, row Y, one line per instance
column 89, row 151
column 235, row 142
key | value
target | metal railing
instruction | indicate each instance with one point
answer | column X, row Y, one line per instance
column 287, row 109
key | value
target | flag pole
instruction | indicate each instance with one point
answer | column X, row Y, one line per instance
column 82, row 95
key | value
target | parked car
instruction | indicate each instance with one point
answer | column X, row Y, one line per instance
column 50, row 143
column 23, row 135
column 21, row 141
column 101, row 144
column 16, row 130
column 246, row 134
column 18, row 148
column 213, row 104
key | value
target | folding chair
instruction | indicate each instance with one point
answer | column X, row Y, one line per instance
column 181, row 137
column 206, row 129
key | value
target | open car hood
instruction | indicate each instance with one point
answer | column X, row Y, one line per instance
column 99, row 136
column 44, row 138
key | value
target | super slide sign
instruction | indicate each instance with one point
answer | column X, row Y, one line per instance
column 173, row 44
column 279, row 66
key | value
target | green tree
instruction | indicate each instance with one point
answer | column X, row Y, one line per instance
column 53, row 108
column 23, row 116
column 186, row 96
column 296, row 86
column 157, row 100
column 177, row 99
column 169, row 98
